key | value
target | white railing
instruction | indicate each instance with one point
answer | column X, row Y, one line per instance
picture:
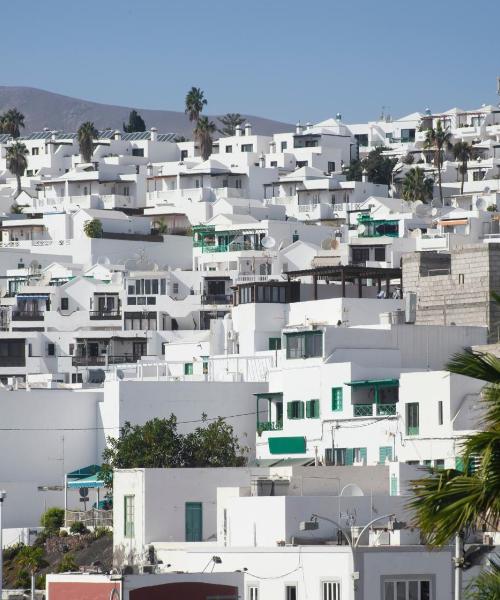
column 303, row 208
column 34, row 243
column 345, row 206
column 252, row 278
column 112, row 200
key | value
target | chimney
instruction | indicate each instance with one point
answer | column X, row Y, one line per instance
column 262, row 160
column 248, row 129
column 298, row 128
column 338, row 117
column 364, row 176
column 154, row 134
column 238, row 131
column 117, row 135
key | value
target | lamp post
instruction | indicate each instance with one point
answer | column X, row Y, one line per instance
column 313, row 524
column 3, row 495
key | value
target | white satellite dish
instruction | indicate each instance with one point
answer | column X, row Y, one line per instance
column 416, row 233
column 481, row 204
column 268, row 242
column 487, row 190
column 434, row 211
column 361, row 228
column 119, row 374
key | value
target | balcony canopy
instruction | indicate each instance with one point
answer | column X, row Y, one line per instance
column 374, row 382
column 88, row 477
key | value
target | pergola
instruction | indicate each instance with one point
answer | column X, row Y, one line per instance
column 350, row 273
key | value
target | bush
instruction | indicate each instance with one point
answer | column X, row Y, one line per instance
column 52, row 519
column 41, row 538
column 40, row 582
column 23, row 579
column 78, row 528
column 11, row 551
column 63, row 533
column 93, row 228
column 68, row 563
column 100, row 532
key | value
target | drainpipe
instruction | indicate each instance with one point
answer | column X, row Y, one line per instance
column 458, row 563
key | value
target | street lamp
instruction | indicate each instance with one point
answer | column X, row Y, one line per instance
column 313, row 524
column 3, row 495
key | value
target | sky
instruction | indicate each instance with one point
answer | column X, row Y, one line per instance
column 286, row 60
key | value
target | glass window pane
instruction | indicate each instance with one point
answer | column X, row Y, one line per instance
column 389, row 590
column 413, row 590
column 425, row 590
column 400, row 590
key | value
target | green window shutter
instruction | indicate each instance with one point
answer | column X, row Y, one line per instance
column 194, row 521
column 337, row 399
column 349, row 456
column 316, row 409
column 362, row 454
column 312, row 409
column 459, row 464
column 188, row 368
column 394, row 485
column 384, row 453
column 300, row 410
column 308, row 409
column 289, row 410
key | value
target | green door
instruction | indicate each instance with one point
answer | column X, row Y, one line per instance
column 194, row 522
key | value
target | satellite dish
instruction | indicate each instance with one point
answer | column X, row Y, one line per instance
column 335, row 244
column 487, row 190
column 420, row 209
column 268, row 242
column 361, row 228
column 351, row 489
column 120, row 374
column 481, row 204
column 434, row 211
column 326, row 244
column 416, row 233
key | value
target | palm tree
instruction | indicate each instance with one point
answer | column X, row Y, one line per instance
column 416, row 186
column 12, row 122
column 31, row 559
column 447, row 503
column 17, row 162
column 203, row 135
column 195, row 101
column 437, row 139
column 230, row 121
column 462, row 151
column 87, row 133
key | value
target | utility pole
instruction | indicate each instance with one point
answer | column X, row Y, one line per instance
column 3, row 495
column 458, row 563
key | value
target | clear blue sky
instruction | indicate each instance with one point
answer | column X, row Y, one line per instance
column 286, row 60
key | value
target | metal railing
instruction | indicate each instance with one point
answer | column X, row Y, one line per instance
column 12, row 361
column 216, row 299
column 24, row 315
column 384, row 410
column 105, row 314
column 269, row 426
column 90, row 518
column 363, row 410
column 99, row 361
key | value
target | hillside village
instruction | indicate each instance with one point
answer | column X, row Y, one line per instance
column 303, row 292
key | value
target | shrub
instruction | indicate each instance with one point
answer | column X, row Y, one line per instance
column 100, row 532
column 78, row 528
column 41, row 539
column 52, row 519
column 93, row 228
column 23, row 579
column 63, row 533
column 68, row 563
column 11, row 551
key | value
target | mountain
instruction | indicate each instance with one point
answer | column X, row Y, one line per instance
column 54, row 111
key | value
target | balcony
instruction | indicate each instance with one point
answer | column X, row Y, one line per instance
column 269, row 426
column 100, row 315
column 90, row 518
column 363, row 410
column 216, row 299
column 386, row 410
column 100, row 361
column 22, row 315
column 232, row 247
column 12, row 361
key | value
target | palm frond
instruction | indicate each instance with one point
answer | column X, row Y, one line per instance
column 478, row 365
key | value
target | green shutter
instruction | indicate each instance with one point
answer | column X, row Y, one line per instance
column 459, row 464
column 289, row 410
column 394, row 485
column 362, row 454
column 300, row 410
column 312, row 409
column 308, row 409
column 337, row 397
column 194, row 521
column 349, row 456
column 384, row 453
column 188, row 368
column 287, row 445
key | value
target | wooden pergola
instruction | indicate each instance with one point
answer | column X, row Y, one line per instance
column 350, row 273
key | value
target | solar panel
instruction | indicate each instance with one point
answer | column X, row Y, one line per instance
column 106, row 134
column 5, row 137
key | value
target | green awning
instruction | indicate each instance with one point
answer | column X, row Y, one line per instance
column 270, row 395
column 284, row 462
column 372, row 382
column 84, row 472
column 86, row 482
column 287, row 445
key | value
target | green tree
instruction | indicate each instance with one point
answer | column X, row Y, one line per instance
column 229, row 123
column 17, row 162
column 31, row 559
column 447, row 503
column 438, row 139
column 195, row 101
column 354, row 171
column 135, row 123
column 158, row 444
column 52, row 519
column 487, row 585
column 11, row 122
column 416, row 186
column 203, row 133
column 93, row 228
column 87, row 133
column 379, row 167
column 462, row 151
column 67, row 563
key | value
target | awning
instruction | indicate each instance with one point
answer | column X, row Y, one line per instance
column 270, row 395
column 87, row 482
column 373, row 382
column 33, row 296
column 284, row 462
column 453, row 222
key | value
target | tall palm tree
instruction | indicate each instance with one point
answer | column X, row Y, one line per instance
column 17, row 162
column 87, row 133
column 416, row 186
column 462, row 151
column 446, row 503
column 12, row 122
column 31, row 559
column 230, row 121
column 437, row 139
column 195, row 101
column 203, row 135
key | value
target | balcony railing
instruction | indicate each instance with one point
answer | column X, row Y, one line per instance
column 105, row 314
column 216, row 299
column 23, row 315
column 100, row 361
column 12, row 361
column 269, row 426
column 232, row 247
column 363, row 410
column 90, row 518
column 384, row 410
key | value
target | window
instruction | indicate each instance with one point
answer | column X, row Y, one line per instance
column 307, row 344
column 407, row 590
column 247, row 147
column 362, row 139
column 194, row 521
column 35, row 151
column 128, row 516
column 137, row 151
column 358, row 455
column 29, row 173
column 384, row 453
column 64, row 303
column 290, row 592
column 439, row 463
column 284, row 146
column 274, row 343
column 330, row 590
column 188, row 368
column 175, row 288
column 407, row 135
column 184, row 154
column 301, row 163
column 360, row 255
column 229, row 149
column 51, row 349
column 274, row 163
column 380, row 254
column 295, row 409
column 253, row 592
column 331, row 167
column 337, row 399
column 440, row 412
column 312, row 409
column 412, row 420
